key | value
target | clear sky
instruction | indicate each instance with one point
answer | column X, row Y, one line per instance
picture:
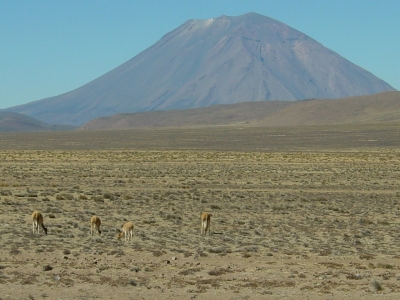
column 49, row 47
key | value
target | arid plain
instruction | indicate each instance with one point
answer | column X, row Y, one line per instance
column 298, row 213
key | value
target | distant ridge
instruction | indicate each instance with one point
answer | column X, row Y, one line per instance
column 223, row 60
column 378, row 108
column 15, row 122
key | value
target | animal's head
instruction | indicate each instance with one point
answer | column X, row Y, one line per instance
column 99, row 231
column 120, row 235
column 45, row 230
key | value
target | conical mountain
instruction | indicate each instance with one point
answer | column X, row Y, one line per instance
column 216, row 61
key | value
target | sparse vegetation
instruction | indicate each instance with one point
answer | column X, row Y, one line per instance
column 312, row 222
column 376, row 286
column 47, row 268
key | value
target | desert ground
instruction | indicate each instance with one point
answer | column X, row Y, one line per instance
column 306, row 213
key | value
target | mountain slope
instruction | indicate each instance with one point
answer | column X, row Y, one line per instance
column 216, row 61
column 378, row 108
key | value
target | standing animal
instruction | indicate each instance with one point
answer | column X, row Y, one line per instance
column 37, row 219
column 205, row 222
column 95, row 223
column 127, row 230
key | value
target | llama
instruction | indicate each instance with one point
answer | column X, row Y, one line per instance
column 37, row 219
column 95, row 223
column 127, row 230
column 205, row 222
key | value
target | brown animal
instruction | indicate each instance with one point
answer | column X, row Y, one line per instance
column 95, row 223
column 127, row 230
column 37, row 219
column 205, row 222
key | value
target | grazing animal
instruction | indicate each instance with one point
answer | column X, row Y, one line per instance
column 95, row 223
column 205, row 222
column 37, row 219
column 127, row 230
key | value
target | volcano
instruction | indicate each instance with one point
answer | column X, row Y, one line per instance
column 223, row 60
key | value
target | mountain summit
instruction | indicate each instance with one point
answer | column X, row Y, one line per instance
column 216, row 61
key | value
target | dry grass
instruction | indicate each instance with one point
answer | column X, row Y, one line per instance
column 223, row 138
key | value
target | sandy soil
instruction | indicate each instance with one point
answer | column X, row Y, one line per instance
column 312, row 225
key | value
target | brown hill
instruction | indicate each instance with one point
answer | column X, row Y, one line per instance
column 227, row 114
column 382, row 107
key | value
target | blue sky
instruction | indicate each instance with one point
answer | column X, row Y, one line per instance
column 49, row 47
